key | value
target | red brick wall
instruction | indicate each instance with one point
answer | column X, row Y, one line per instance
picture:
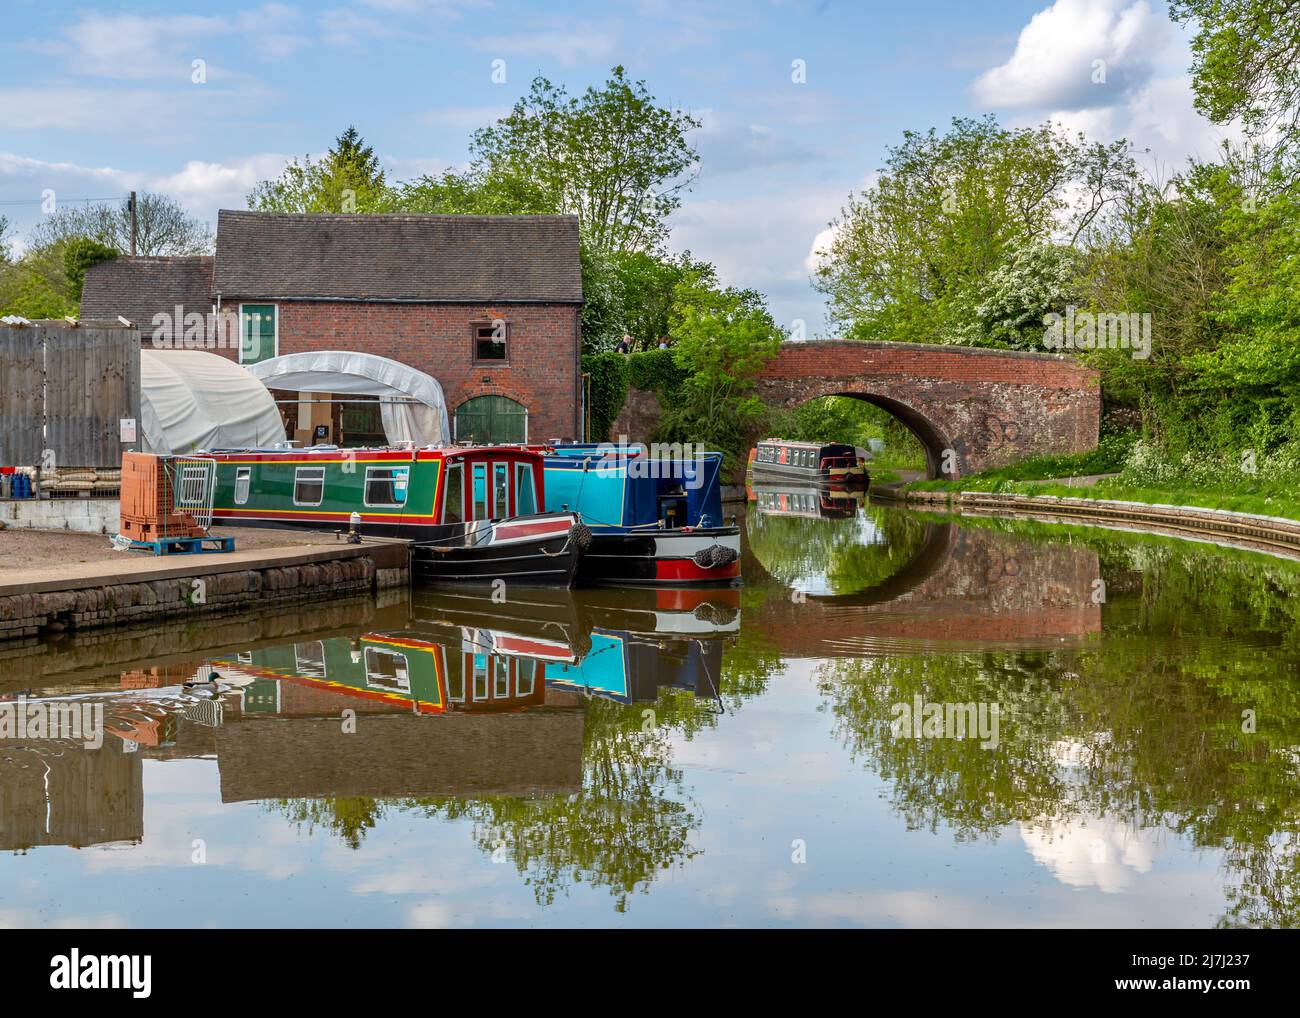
column 541, row 372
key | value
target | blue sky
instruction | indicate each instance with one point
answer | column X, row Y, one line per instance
column 97, row 100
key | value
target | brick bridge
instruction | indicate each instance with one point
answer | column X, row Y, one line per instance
column 990, row 407
column 963, row 588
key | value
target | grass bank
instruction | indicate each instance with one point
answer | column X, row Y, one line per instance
column 1265, row 496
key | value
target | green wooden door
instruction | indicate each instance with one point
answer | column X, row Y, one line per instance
column 257, row 333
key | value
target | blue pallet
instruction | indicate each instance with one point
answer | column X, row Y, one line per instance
column 185, row 545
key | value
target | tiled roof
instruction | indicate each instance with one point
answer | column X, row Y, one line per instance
column 139, row 288
column 398, row 257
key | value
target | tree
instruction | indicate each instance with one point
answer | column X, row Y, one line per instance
column 79, row 254
column 723, row 337
column 163, row 227
column 612, row 157
column 911, row 254
column 1035, row 278
column 347, row 179
column 1246, row 62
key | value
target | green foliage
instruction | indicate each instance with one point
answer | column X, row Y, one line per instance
column 656, row 371
column 723, row 338
column 347, row 179
column 610, row 156
column 912, row 255
column 1244, row 62
column 607, row 391
column 1035, row 279
column 79, row 254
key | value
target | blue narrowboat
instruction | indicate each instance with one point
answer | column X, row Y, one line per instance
column 653, row 519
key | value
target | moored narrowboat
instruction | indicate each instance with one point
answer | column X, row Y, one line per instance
column 475, row 512
column 833, row 463
column 653, row 520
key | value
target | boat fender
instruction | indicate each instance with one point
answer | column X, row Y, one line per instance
column 581, row 535
column 714, row 556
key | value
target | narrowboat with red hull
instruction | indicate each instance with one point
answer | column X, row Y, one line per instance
column 654, row 520
column 474, row 512
column 775, row 459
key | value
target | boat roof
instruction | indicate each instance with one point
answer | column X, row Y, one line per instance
column 381, row 451
column 800, row 445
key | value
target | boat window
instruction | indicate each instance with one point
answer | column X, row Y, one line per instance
column 525, row 494
column 525, row 679
column 500, row 490
column 480, row 491
column 308, row 485
column 387, row 670
column 501, row 679
column 242, row 477
column 480, row 676
column 453, row 503
column 386, row 486
column 456, row 677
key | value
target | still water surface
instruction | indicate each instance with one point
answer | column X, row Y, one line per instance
column 718, row 757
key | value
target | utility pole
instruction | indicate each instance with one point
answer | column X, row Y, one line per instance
column 131, row 205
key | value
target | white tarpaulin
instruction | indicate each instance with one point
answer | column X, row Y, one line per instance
column 191, row 399
column 411, row 406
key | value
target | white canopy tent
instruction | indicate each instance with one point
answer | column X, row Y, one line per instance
column 412, row 406
column 191, row 400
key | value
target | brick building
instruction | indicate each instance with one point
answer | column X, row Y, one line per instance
column 487, row 305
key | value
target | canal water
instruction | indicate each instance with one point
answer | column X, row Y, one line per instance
column 900, row 720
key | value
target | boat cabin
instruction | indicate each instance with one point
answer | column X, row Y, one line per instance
column 396, row 492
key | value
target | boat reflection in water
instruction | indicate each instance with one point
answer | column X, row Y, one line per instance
column 472, row 698
column 812, row 501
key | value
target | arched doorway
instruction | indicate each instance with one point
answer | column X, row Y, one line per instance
column 491, row 420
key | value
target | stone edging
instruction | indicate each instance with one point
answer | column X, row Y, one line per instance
column 1271, row 530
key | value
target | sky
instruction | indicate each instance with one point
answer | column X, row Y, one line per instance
column 799, row 99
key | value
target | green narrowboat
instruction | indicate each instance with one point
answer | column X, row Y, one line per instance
column 474, row 512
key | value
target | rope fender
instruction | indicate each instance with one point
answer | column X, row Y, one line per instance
column 714, row 556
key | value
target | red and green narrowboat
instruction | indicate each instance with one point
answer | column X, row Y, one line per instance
column 474, row 512
column 831, row 463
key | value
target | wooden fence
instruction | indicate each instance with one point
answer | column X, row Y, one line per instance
column 64, row 391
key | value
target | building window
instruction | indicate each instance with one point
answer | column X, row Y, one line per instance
column 491, row 420
column 491, row 340
column 242, row 477
column 386, row 486
column 259, row 333
column 308, row 485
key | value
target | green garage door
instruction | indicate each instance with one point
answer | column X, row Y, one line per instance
column 491, row 420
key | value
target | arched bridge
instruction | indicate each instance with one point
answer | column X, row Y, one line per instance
column 990, row 407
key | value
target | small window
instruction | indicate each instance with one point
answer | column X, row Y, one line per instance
column 525, row 680
column 480, row 491
column 480, row 676
column 500, row 490
column 525, row 494
column 308, row 485
column 456, row 677
column 386, row 486
column 501, row 679
column 387, row 670
column 491, row 341
column 242, row 478
column 453, row 502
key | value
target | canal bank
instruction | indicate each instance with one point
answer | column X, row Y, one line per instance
column 1274, row 533
column 55, row 582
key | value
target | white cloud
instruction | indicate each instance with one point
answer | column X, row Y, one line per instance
column 131, row 46
column 1078, row 54
column 564, row 40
